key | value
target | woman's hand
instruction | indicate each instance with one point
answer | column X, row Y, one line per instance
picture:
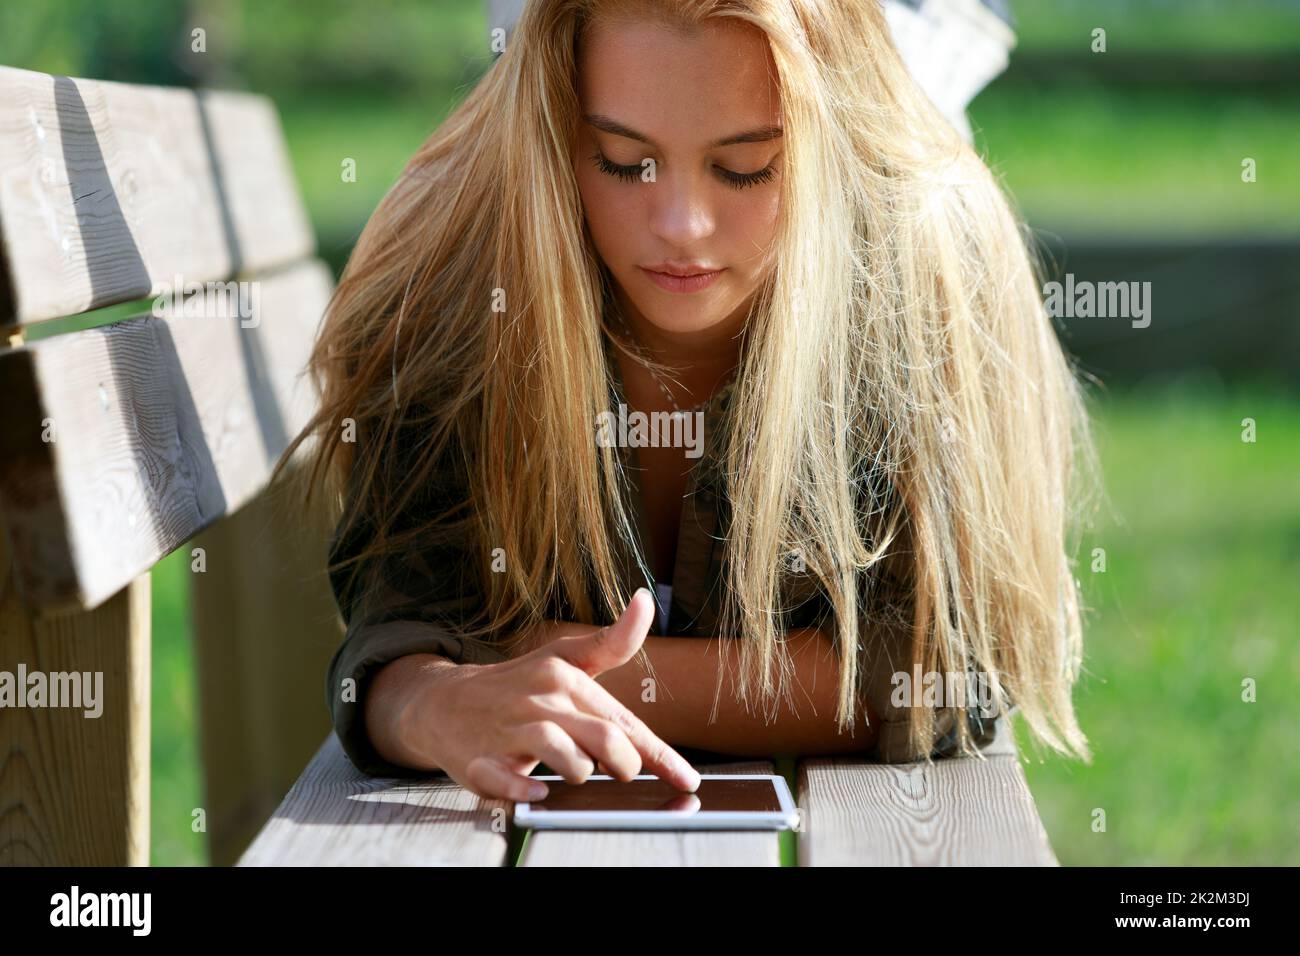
column 490, row 725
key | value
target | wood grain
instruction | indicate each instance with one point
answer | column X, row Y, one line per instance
column 337, row 816
column 109, row 190
column 159, row 428
column 958, row 811
column 74, row 789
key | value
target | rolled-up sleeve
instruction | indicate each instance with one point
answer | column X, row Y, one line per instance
column 406, row 604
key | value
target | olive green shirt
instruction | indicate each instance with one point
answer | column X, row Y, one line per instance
column 426, row 589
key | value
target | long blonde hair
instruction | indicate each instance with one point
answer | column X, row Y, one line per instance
column 901, row 379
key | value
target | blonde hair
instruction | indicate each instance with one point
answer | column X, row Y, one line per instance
column 901, row 380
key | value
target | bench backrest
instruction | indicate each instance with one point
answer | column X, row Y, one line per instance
column 121, row 441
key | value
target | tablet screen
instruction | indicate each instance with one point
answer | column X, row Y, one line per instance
column 754, row 796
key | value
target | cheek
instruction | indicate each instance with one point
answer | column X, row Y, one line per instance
column 752, row 228
column 609, row 211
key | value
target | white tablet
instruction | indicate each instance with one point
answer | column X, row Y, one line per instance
column 724, row 801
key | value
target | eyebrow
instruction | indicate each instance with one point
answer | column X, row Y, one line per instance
column 760, row 135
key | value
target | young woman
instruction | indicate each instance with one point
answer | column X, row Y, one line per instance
column 746, row 214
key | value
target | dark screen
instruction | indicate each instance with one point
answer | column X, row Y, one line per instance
column 757, row 795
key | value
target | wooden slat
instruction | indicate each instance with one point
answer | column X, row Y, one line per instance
column 960, row 811
column 336, row 816
column 265, row 627
column 658, row 848
column 110, row 190
column 74, row 789
column 162, row 426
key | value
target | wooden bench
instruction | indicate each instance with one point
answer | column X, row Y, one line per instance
column 962, row 812
column 122, row 442
column 163, row 432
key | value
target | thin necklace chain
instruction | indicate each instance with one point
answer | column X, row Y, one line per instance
column 663, row 387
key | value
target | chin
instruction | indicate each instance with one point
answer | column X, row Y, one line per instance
column 682, row 313
column 682, row 319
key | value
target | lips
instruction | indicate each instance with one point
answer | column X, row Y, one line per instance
column 681, row 278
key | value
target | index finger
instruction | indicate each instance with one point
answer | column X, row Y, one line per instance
column 656, row 755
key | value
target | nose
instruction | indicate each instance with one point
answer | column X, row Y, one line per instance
column 681, row 211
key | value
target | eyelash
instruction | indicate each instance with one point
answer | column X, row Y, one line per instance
column 735, row 180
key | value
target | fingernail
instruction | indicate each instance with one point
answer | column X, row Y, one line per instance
column 537, row 791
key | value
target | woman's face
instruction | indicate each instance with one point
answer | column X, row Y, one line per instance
column 678, row 162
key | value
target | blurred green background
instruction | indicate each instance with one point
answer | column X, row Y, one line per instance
column 1125, row 160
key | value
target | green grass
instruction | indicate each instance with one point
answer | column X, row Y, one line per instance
column 1110, row 160
column 1203, row 559
column 176, row 789
column 1194, row 26
column 380, row 134
column 788, row 839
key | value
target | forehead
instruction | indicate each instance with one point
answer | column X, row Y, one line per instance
column 679, row 86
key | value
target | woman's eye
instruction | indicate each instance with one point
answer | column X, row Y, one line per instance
column 733, row 179
column 626, row 173
column 741, row 180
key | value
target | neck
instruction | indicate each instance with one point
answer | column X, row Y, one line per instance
column 701, row 357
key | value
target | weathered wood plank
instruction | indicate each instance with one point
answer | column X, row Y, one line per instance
column 265, row 627
column 960, row 811
column 110, row 190
column 123, row 441
column 74, row 788
column 658, row 848
column 336, row 816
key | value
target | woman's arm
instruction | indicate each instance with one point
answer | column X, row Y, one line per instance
column 686, row 675
column 682, row 693
column 388, row 706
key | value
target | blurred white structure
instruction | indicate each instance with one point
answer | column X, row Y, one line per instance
column 954, row 48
